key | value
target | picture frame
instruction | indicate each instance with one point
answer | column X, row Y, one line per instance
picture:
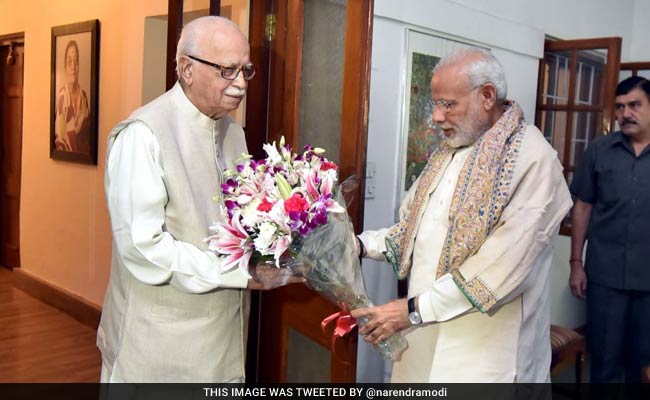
column 419, row 137
column 74, row 92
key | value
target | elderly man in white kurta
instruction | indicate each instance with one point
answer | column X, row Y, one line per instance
column 475, row 239
column 169, row 314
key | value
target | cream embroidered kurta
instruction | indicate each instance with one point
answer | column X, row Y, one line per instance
column 510, row 344
column 170, row 314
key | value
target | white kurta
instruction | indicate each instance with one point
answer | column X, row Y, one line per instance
column 457, row 343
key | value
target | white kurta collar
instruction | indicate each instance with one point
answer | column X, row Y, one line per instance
column 186, row 107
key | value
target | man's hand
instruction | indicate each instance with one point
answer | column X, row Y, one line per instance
column 266, row 276
column 383, row 321
column 581, row 216
column 578, row 279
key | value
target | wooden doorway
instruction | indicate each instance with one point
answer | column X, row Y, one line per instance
column 12, row 52
column 575, row 97
column 313, row 59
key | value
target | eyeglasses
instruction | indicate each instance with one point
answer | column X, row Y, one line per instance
column 449, row 105
column 230, row 73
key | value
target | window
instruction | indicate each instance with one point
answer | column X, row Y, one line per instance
column 575, row 97
column 635, row 69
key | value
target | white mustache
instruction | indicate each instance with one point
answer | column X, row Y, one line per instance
column 234, row 92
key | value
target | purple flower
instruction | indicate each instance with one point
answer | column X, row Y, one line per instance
column 230, row 206
column 229, row 186
column 320, row 217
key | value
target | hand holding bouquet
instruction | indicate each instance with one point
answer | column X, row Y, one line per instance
column 286, row 210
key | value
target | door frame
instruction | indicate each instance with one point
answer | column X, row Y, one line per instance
column 9, row 39
column 174, row 28
column 272, row 111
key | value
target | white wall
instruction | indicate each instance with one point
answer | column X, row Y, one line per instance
column 515, row 31
column 383, row 125
column 565, row 19
column 640, row 50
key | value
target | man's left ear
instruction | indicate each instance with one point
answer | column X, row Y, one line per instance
column 489, row 96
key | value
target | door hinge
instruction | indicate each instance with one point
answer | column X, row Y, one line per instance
column 270, row 27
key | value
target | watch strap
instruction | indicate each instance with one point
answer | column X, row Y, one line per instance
column 411, row 304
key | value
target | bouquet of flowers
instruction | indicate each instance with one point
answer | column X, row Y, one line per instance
column 289, row 206
column 272, row 201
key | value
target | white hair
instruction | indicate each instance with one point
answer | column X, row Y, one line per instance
column 189, row 42
column 484, row 68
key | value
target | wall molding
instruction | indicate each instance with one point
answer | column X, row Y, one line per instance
column 73, row 305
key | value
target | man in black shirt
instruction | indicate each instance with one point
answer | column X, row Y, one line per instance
column 612, row 210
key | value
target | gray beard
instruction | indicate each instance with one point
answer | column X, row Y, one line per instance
column 466, row 137
column 462, row 139
column 468, row 132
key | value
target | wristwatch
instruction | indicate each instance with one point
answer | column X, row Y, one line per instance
column 414, row 315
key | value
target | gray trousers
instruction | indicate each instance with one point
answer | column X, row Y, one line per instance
column 618, row 333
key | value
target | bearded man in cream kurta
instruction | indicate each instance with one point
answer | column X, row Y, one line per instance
column 475, row 239
column 170, row 314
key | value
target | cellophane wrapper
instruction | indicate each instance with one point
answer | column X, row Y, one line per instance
column 327, row 258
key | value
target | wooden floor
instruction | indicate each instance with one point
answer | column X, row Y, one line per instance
column 39, row 343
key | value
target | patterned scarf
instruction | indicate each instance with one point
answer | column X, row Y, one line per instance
column 481, row 194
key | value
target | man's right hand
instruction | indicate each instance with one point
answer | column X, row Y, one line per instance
column 383, row 321
column 578, row 279
column 270, row 277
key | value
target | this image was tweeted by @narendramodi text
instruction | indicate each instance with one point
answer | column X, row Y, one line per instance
column 369, row 392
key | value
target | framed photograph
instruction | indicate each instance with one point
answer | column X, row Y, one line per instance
column 74, row 92
column 419, row 136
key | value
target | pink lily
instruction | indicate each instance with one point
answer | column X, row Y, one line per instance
column 232, row 239
column 279, row 247
column 311, row 184
column 326, row 185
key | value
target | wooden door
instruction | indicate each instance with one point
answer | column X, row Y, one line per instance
column 575, row 97
column 12, row 53
column 312, row 86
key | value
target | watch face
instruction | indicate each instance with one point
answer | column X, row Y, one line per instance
column 415, row 318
